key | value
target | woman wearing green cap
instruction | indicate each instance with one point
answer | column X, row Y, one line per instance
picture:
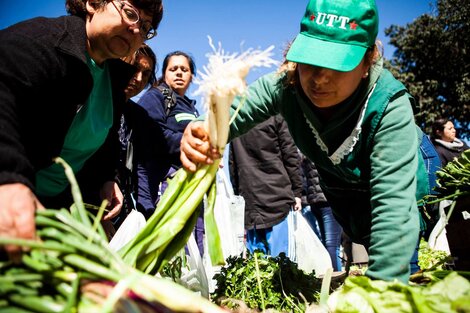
column 354, row 120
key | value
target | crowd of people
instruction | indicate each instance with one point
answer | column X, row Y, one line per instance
column 67, row 86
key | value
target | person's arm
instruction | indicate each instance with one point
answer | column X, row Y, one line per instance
column 260, row 102
column 111, row 192
column 17, row 206
column 395, row 216
column 291, row 159
column 26, row 65
column 232, row 166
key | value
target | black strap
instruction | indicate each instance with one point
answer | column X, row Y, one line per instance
column 170, row 98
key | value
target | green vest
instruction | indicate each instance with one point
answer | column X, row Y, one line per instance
column 347, row 183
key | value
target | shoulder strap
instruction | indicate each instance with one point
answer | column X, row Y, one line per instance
column 170, row 98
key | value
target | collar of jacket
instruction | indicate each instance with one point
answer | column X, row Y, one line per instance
column 73, row 40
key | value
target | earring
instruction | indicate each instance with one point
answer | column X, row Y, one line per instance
column 365, row 75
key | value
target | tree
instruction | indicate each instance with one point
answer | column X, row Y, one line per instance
column 432, row 60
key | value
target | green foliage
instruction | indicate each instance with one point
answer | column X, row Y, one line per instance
column 362, row 295
column 284, row 287
column 429, row 259
column 432, row 60
column 453, row 180
column 174, row 268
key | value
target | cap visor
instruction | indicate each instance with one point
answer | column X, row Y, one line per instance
column 336, row 56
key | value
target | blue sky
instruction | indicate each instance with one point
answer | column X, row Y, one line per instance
column 236, row 24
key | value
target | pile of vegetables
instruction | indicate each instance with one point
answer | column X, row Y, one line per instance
column 262, row 282
column 453, row 180
column 430, row 259
column 362, row 295
column 433, row 289
column 70, row 268
column 71, row 258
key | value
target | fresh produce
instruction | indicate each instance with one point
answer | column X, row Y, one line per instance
column 430, row 259
column 169, row 228
column 224, row 78
column 362, row 295
column 262, row 282
column 73, row 253
column 453, row 180
column 71, row 269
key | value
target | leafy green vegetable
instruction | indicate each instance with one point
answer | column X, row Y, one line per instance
column 264, row 282
column 453, row 180
column 429, row 259
column 361, row 294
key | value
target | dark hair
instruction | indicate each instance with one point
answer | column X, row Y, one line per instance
column 438, row 125
column 147, row 51
column 192, row 64
column 153, row 8
column 144, row 50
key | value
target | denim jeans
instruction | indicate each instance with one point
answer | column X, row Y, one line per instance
column 272, row 240
column 432, row 164
column 431, row 161
column 329, row 231
column 312, row 220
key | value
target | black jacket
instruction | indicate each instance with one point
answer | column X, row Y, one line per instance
column 314, row 193
column 447, row 154
column 265, row 170
column 44, row 80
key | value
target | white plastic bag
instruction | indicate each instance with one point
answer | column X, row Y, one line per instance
column 438, row 238
column 129, row 228
column 229, row 211
column 195, row 279
column 308, row 251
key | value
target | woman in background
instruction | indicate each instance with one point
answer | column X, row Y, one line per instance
column 145, row 63
column 165, row 110
column 447, row 145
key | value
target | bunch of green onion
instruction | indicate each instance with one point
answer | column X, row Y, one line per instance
column 169, row 228
column 73, row 249
column 72, row 253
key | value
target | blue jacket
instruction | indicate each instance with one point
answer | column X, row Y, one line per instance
column 157, row 139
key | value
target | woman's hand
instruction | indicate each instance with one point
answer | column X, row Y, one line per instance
column 195, row 147
column 17, row 207
column 111, row 192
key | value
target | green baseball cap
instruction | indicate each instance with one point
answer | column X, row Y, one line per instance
column 335, row 34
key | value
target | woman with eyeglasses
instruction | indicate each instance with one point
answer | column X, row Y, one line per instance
column 61, row 94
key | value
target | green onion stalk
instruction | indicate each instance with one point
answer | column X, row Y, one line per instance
column 169, row 228
column 70, row 268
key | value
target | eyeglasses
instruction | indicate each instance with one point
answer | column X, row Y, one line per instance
column 131, row 16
